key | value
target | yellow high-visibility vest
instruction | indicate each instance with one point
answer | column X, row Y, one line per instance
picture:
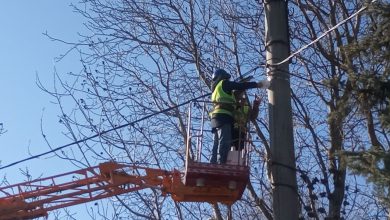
column 223, row 102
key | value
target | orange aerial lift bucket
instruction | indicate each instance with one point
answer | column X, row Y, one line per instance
column 207, row 182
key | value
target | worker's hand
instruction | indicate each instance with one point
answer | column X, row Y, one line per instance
column 257, row 100
column 264, row 84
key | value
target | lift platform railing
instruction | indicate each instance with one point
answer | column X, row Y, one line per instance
column 198, row 124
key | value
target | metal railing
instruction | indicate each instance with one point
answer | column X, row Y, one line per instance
column 198, row 122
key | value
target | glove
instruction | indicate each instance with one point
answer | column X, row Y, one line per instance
column 264, row 84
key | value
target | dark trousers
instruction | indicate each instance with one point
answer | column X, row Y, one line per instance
column 222, row 143
column 238, row 138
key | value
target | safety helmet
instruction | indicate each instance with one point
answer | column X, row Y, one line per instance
column 220, row 74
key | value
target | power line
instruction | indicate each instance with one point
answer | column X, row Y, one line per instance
column 322, row 35
column 101, row 133
column 184, row 103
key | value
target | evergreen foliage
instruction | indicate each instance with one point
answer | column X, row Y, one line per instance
column 371, row 91
column 372, row 84
column 375, row 165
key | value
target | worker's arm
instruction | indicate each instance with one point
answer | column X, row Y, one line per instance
column 229, row 86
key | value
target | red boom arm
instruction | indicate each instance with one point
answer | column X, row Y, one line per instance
column 35, row 198
column 202, row 182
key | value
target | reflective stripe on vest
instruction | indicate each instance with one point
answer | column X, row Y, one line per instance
column 223, row 102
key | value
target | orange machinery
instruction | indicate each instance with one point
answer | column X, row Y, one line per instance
column 204, row 183
column 199, row 182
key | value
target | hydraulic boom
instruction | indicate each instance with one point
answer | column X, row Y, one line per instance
column 36, row 198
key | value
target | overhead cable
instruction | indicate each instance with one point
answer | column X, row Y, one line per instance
column 102, row 133
column 322, row 35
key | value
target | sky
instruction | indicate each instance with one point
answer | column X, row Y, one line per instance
column 25, row 53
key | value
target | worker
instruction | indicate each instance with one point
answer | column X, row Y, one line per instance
column 242, row 115
column 222, row 115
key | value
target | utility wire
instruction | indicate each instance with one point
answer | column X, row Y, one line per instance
column 184, row 103
column 101, row 133
column 322, row 35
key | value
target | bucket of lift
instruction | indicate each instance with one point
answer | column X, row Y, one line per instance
column 204, row 181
